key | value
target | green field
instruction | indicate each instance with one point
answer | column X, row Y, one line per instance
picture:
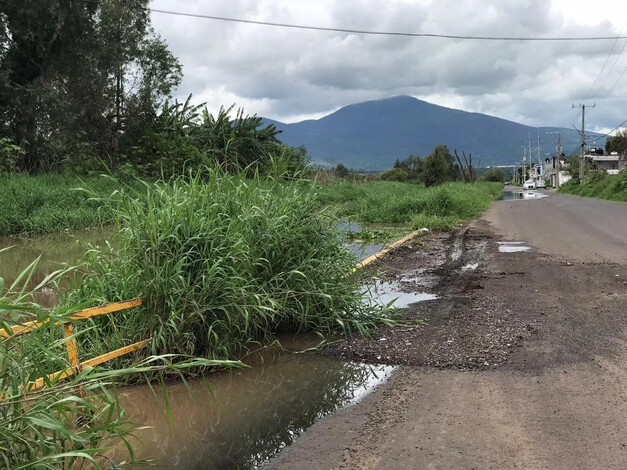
column 51, row 203
column 410, row 205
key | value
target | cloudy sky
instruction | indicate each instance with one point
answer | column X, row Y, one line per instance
column 289, row 75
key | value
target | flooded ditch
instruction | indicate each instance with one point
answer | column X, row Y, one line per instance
column 236, row 419
column 242, row 418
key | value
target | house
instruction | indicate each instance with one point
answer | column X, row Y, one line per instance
column 612, row 163
column 556, row 172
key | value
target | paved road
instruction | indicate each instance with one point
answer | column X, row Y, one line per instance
column 558, row 402
column 573, row 227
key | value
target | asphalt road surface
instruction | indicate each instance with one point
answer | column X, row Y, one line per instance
column 557, row 399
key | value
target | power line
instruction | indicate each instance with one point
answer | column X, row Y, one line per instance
column 587, row 95
column 608, row 134
column 373, row 32
column 616, row 82
column 613, row 65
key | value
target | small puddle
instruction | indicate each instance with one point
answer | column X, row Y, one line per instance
column 470, row 267
column 243, row 418
column 348, row 226
column 521, row 194
column 383, row 292
column 513, row 247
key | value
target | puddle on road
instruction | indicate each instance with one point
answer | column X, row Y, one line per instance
column 513, row 247
column 383, row 292
column 246, row 416
column 521, row 194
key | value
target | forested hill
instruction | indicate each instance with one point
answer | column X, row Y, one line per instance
column 373, row 134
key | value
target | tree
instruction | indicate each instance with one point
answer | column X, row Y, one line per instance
column 395, row 174
column 79, row 79
column 496, row 175
column 438, row 167
column 468, row 172
column 617, row 143
column 341, row 171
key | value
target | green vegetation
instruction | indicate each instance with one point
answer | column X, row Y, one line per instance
column 50, row 203
column 56, row 428
column 223, row 262
column 435, row 169
column 617, row 143
column 440, row 207
column 600, row 185
column 496, row 175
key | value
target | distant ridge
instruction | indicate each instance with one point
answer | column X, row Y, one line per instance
column 373, row 134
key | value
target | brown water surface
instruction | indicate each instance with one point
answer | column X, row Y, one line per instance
column 242, row 418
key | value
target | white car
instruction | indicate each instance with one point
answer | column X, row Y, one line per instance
column 540, row 184
column 529, row 184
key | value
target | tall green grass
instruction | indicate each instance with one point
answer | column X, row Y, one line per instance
column 51, row 203
column 224, row 262
column 600, row 185
column 439, row 207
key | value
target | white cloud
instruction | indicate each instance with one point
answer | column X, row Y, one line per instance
column 291, row 74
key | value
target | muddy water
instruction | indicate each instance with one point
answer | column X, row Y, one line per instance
column 55, row 250
column 236, row 419
column 513, row 195
column 240, row 419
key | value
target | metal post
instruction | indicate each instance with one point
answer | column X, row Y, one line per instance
column 583, row 142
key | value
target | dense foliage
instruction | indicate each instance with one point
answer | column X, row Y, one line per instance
column 437, row 168
column 496, row 175
column 617, row 143
column 224, row 261
column 86, row 84
column 600, row 185
column 79, row 79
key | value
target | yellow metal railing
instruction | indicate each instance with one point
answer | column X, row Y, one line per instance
column 72, row 347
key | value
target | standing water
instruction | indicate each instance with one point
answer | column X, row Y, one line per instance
column 235, row 419
column 242, row 418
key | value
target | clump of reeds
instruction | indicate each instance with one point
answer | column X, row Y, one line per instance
column 223, row 261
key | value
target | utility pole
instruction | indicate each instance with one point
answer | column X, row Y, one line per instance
column 583, row 138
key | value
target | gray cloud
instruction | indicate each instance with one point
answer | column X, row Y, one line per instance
column 287, row 74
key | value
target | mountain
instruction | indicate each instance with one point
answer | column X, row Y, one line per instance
column 373, row 134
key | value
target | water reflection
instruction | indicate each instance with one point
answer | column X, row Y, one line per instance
column 245, row 417
column 55, row 250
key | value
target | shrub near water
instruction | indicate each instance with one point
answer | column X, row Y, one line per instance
column 222, row 261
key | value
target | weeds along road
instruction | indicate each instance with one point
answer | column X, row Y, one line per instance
column 524, row 362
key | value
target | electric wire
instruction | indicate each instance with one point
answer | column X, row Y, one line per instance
column 587, row 95
column 371, row 32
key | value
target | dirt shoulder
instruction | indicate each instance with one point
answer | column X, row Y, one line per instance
column 521, row 366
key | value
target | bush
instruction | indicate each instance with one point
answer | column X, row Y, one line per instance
column 222, row 262
column 395, row 174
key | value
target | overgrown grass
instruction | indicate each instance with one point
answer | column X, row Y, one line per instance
column 51, row 203
column 438, row 208
column 223, row 262
column 599, row 185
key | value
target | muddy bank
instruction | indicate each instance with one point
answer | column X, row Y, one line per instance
column 465, row 330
